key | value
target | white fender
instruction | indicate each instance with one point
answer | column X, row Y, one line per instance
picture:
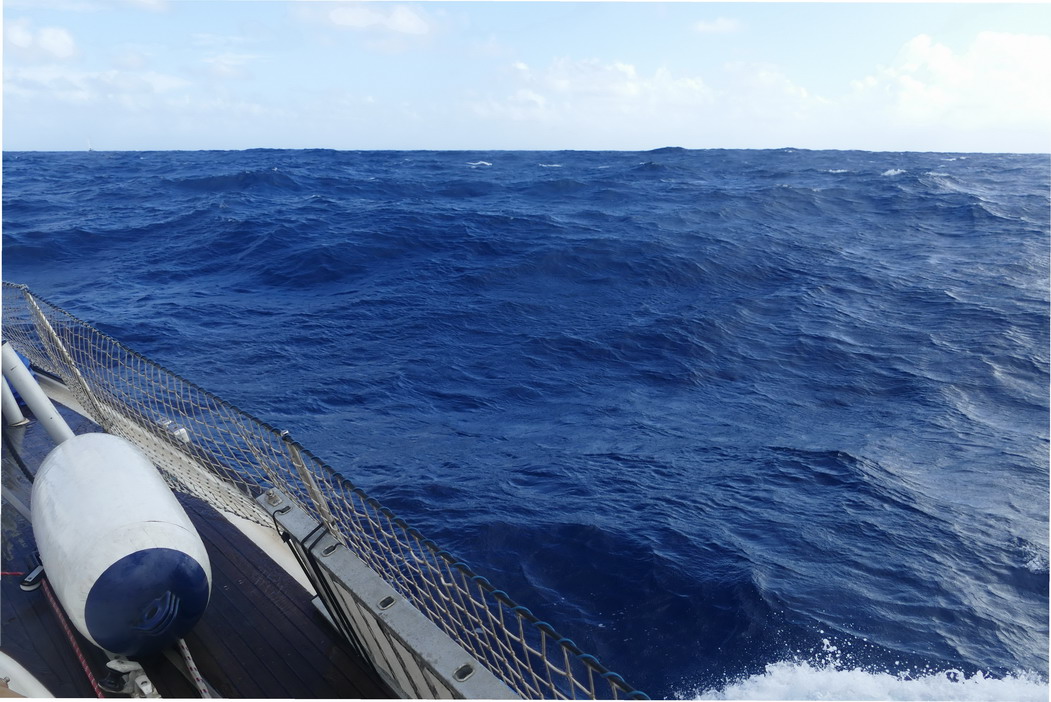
column 21, row 681
column 119, row 550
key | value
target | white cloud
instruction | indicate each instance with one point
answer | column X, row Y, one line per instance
column 999, row 82
column 218, row 41
column 722, row 25
column 617, row 84
column 229, row 64
column 55, row 84
column 88, row 5
column 991, row 95
column 56, row 41
column 491, row 48
column 226, row 57
column 594, row 104
column 44, row 44
column 18, row 34
column 59, row 5
column 154, row 5
column 764, row 89
column 404, row 20
column 397, row 18
column 131, row 60
column 523, row 105
column 590, row 78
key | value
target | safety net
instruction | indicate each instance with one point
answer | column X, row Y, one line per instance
column 206, row 447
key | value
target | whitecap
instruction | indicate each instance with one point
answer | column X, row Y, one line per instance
column 1034, row 559
column 892, row 172
column 476, row 164
column 837, row 170
column 803, row 681
column 550, row 165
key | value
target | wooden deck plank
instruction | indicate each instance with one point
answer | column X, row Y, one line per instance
column 304, row 657
column 30, row 631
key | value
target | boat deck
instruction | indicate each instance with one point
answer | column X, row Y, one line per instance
column 260, row 637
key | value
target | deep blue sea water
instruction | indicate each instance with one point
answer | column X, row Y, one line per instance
column 741, row 423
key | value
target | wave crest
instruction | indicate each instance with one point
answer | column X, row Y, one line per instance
column 267, row 178
column 806, row 681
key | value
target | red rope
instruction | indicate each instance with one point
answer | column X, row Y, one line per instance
column 8, row 572
column 69, row 635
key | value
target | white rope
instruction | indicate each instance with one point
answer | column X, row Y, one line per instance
column 195, row 674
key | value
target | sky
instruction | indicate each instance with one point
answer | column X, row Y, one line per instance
column 236, row 74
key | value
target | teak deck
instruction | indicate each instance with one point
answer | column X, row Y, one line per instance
column 261, row 636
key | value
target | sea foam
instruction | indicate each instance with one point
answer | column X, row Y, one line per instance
column 804, row 681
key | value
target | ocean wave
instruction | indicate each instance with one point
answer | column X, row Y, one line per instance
column 652, row 167
column 711, row 401
column 806, row 681
column 467, row 188
column 268, row 178
column 833, row 670
column 1034, row 559
column 561, row 187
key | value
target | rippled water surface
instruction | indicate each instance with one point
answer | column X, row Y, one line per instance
column 741, row 423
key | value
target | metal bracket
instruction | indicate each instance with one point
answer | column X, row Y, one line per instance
column 136, row 682
column 32, row 581
column 409, row 651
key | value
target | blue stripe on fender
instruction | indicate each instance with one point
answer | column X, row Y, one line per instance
column 145, row 601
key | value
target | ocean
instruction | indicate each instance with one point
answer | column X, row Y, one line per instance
column 743, row 424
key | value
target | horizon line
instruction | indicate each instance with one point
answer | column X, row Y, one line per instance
column 502, row 150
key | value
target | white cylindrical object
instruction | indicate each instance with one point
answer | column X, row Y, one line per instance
column 21, row 680
column 12, row 412
column 119, row 550
column 45, row 412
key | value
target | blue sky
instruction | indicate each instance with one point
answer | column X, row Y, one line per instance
column 201, row 74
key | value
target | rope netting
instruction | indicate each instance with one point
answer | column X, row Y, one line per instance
column 208, row 448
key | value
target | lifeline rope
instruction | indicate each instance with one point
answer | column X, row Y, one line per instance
column 69, row 635
column 198, row 681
